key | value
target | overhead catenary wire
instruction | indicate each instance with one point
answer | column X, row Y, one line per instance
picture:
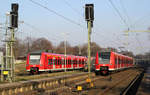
column 125, row 11
column 52, row 11
column 68, row 4
column 56, row 13
column 37, row 30
column 117, row 11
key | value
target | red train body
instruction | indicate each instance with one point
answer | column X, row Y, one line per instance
column 53, row 62
column 110, row 61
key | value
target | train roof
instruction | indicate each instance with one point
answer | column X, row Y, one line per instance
column 39, row 53
column 117, row 54
column 121, row 54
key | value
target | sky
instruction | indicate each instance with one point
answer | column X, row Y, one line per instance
column 64, row 19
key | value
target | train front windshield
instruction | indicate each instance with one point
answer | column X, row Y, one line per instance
column 104, row 57
column 34, row 59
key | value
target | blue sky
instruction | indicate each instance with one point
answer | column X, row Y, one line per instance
column 108, row 27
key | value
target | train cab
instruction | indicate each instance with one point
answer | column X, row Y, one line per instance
column 102, row 62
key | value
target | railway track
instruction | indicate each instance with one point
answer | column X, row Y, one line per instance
column 109, row 85
column 66, row 84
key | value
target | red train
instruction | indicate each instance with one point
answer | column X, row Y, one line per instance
column 38, row 62
column 110, row 61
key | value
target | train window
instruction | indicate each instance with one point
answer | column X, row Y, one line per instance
column 34, row 59
column 62, row 61
column 82, row 61
column 119, row 61
column 56, row 61
column 69, row 61
column 125, row 61
column 74, row 61
column 104, row 55
column 50, row 61
column 115, row 60
column 79, row 61
column 130, row 62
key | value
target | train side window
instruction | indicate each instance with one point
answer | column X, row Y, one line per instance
column 50, row 61
column 79, row 61
column 56, row 61
column 74, row 61
column 115, row 60
column 69, row 61
column 53, row 60
column 130, row 61
column 82, row 61
column 119, row 60
column 62, row 61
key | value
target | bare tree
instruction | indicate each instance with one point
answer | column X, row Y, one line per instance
column 61, row 48
column 41, row 44
column 19, row 48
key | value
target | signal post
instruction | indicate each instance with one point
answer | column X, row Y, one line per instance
column 8, row 65
column 89, row 17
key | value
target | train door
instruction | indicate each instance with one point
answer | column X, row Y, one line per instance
column 125, row 62
column 69, row 63
column 74, row 62
column 118, row 62
column 121, row 62
column 56, row 63
column 50, row 63
column 63, row 62
column 60, row 63
column 80, row 63
column 115, row 63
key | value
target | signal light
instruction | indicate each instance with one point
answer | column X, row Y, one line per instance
column 89, row 12
column 14, row 15
column 14, row 19
column 14, row 7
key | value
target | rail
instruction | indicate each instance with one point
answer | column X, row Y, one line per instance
column 133, row 86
